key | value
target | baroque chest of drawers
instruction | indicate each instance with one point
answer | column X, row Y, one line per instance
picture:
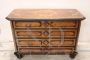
column 45, row 31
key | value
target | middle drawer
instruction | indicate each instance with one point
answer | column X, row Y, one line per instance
column 68, row 33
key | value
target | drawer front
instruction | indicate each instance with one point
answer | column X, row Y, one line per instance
column 27, row 24
column 45, row 33
column 46, row 50
column 44, row 24
column 45, row 42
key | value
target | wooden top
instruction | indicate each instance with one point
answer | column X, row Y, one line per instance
column 59, row 14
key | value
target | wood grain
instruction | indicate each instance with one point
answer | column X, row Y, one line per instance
column 28, row 14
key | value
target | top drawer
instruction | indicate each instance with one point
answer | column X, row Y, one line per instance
column 45, row 24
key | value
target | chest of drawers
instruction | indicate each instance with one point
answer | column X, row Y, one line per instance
column 45, row 31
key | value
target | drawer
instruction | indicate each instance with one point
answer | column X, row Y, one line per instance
column 65, row 33
column 45, row 42
column 46, row 24
column 27, row 24
column 69, row 33
column 53, row 50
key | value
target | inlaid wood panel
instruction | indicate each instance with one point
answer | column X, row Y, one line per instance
column 44, row 24
column 29, row 43
column 60, row 24
column 46, row 50
column 45, row 42
column 66, row 42
column 30, row 50
column 61, row 50
column 27, row 24
column 45, row 33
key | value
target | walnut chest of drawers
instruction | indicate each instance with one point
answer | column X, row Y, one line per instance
column 45, row 31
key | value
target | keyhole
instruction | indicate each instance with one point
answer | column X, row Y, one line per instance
column 46, row 33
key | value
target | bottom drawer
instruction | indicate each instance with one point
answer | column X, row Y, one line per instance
column 47, row 50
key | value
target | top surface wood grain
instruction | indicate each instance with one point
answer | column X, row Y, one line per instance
column 29, row 14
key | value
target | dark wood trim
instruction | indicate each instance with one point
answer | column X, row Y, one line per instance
column 14, row 38
column 78, row 30
column 25, row 19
